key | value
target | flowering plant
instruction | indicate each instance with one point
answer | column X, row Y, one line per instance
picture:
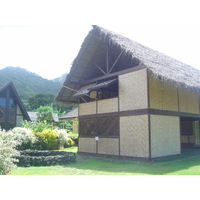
column 25, row 136
column 8, row 144
column 49, row 137
column 62, row 137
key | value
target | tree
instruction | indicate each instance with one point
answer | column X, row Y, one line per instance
column 40, row 100
column 45, row 113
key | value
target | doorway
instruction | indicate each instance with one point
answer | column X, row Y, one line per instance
column 190, row 132
column 196, row 127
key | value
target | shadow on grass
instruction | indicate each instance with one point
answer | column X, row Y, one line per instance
column 187, row 163
column 182, row 165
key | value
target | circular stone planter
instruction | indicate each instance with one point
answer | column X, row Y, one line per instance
column 45, row 158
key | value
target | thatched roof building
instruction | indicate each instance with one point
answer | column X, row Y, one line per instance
column 132, row 100
column 34, row 116
column 70, row 115
column 93, row 52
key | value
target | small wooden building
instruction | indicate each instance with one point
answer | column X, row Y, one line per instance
column 132, row 101
column 72, row 115
column 12, row 111
column 34, row 116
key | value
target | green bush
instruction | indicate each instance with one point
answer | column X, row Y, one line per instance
column 70, row 142
column 49, row 137
column 36, row 126
column 8, row 144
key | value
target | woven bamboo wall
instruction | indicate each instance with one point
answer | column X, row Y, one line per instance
column 165, row 135
column 134, row 137
column 184, row 139
column 188, row 101
column 87, row 108
column 192, row 139
column 133, row 90
column 108, row 146
column 87, row 145
column 188, row 139
column 108, row 105
column 163, row 96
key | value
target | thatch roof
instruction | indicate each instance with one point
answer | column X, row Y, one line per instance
column 70, row 115
column 93, row 51
column 33, row 116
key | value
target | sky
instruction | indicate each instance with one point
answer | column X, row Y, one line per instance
column 44, row 37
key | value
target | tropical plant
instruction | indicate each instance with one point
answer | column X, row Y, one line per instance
column 44, row 113
column 62, row 137
column 36, row 126
column 25, row 136
column 49, row 137
column 70, row 142
column 8, row 144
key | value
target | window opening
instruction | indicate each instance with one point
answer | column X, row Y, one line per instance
column 103, row 90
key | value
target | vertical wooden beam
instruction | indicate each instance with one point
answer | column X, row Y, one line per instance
column 107, row 58
column 149, row 120
column 119, row 118
column 78, row 125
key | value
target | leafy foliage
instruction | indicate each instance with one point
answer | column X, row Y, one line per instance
column 49, row 137
column 45, row 113
column 36, row 126
column 40, row 100
column 70, row 142
column 62, row 137
column 25, row 136
column 8, row 143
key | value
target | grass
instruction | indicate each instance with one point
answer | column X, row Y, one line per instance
column 73, row 134
column 88, row 165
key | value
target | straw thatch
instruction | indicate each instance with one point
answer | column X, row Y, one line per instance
column 94, row 51
column 70, row 115
column 33, row 116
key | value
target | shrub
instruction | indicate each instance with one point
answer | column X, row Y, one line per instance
column 49, row 137
column 8, row 144
column 25, row 135
column 70, row 142
column 62, row 137
column 36, row 126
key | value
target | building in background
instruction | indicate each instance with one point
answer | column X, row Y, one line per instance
column 12, row 111
column 72, row 115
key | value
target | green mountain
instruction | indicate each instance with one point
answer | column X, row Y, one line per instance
column 60, row 79
column 27, row 83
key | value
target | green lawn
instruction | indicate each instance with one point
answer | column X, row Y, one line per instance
column 106, row 166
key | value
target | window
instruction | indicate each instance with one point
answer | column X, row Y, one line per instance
column 197, row 131
column 2, row 102
column 102, row 90
column 12, row 106
column 106, row 126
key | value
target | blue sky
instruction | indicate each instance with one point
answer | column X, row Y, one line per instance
column 54, row 30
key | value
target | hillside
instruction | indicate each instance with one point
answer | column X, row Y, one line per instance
column 27, row 83
column 60, row 79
